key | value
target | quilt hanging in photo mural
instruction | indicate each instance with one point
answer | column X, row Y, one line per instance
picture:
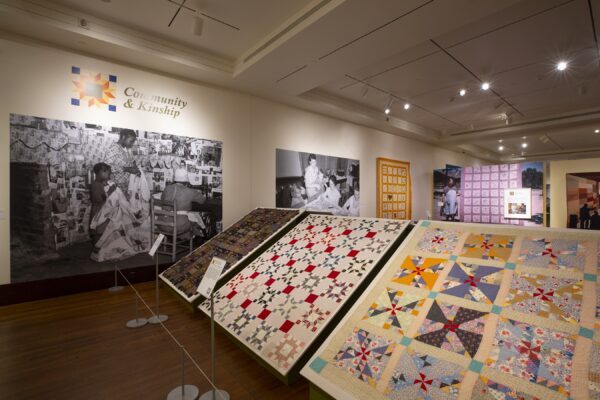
column 394, row 199
column 278, row 304
column 231, row 245
column 463, row 311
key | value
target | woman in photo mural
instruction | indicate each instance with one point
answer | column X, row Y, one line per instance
column 120, row 159
column 124, row 215
column 450, row 207
column 313, row 179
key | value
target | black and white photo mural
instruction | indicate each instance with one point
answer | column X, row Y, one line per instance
column 317, row 182
column 81, row 195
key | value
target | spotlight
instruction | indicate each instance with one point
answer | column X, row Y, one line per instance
column 597, row 131
column 524, row 145
column 485, row 85
column 500, row 140
column 406, row 106
column 500, row 147
column 462, row 92
column 562, row 65
column 198, row 25
column 387, row 110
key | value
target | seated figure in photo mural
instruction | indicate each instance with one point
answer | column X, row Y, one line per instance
column 122, row 227
column 352, row 206
column 184, row 196
column 119, row 157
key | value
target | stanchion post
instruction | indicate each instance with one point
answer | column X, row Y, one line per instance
column 183, row 392
column 115, row 287
column 137, row 322
column 212, row 395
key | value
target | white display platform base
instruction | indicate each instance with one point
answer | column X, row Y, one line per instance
column 220, row 395
column 157, row 319
column 190, row 392
column 136, row 323
column 113, row 289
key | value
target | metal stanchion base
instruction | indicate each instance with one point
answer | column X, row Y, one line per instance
column 113, row 289
column 220, row 395
column 137, row 323
column 157, row 319
column 190, row 392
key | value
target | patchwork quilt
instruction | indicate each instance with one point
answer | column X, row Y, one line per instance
column 465, row 311
column 278, row 304
column 232, row 245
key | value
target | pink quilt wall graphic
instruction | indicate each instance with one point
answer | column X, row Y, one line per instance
column 483, row 192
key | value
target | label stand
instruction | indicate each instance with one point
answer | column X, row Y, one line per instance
column 183, row 392
column 115, row 287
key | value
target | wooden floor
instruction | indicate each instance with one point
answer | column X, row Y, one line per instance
column 77, row 347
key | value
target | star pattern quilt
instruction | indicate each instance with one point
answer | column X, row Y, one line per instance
column 279, row 303
column 232, row 245
column 465, row 311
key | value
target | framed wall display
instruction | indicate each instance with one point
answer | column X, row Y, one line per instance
column 517, row 203
column 394, row 199
column 80, row 194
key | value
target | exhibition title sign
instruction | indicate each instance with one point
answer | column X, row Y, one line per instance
column 97, row 89
column 153, row 103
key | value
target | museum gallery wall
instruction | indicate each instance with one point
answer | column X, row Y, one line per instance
column 394, row 197
column 231, row 245
column 75, row 221
column 279, row 304
column 472, row 311
column 317, row 182
column 249, row 128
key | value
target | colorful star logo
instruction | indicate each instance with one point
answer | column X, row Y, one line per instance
column 93, row 89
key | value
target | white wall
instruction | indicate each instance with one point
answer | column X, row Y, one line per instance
column 558, row 186
column 36, row 80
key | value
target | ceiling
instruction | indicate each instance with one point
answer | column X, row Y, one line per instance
column 349, row 59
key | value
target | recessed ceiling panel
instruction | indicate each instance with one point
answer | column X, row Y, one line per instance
column 548, row 36
column 255, row 19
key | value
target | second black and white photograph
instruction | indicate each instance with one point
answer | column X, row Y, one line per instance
column 317, row 182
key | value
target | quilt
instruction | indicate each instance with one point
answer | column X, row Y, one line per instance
column 279, row 303
column 232, row 245
column 465, row 311
column 393, row 189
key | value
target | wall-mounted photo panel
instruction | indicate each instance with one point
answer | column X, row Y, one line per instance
column 317, row 182
column 394, row 199
column 81, row 194
column 447, row 193
column 583, row 200
column 517, row 203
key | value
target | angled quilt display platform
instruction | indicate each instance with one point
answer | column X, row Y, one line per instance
column 235, row 245
column 278, row 305
column 467, row 311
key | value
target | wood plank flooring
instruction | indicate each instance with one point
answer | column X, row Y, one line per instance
column 77, row 347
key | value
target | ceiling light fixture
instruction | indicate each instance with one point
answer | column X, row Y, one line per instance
column 500, row 147
column 524, row 145
column 485, row 85
column 198, row 25
column 406, row 106
column 562, row 65
column 500, row 140
column 597, row 131
column 462, row 92
column 388, row 106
